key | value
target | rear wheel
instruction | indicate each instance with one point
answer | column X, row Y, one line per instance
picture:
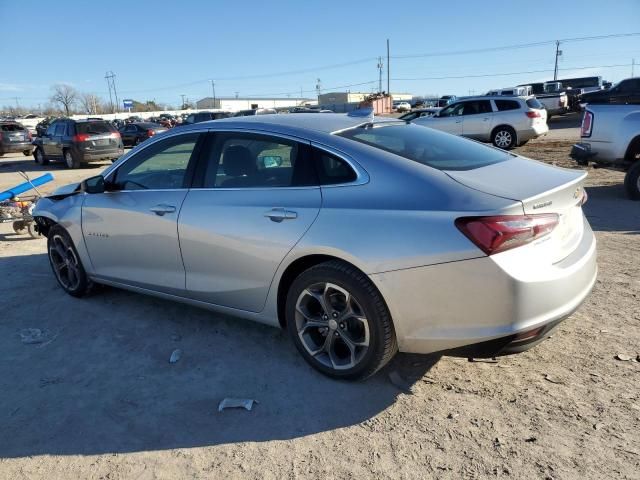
column 632, row 181
column 339, row 321
column 504, row 137
column 40, row 157
column 70, row 160
column 65, row 263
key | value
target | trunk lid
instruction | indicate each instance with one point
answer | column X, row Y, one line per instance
column 540, row 188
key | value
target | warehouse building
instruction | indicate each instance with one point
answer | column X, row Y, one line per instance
column 234, row 104
column 354, row 97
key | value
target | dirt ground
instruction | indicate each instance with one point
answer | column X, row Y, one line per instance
column 97, row 398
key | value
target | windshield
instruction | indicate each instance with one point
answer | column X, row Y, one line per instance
column 94, row 128
column 427, row 146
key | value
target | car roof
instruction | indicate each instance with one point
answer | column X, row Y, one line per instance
column 326, row 123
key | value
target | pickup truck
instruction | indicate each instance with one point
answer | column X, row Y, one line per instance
column 550, row 95
column 610, row 138
column 624, row 92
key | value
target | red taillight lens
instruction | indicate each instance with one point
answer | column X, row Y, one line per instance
column 29, row 136
column 587, row 124
column 115, row 134
column 533, row 114
column 150, row 133
column 81, row 137
column 504, row 232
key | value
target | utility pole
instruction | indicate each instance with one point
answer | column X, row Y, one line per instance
column 633, row 64
column 380, row 65
column 318, row 87
column 110, row 77
column 388, row 84
column 182, row 95
column 558, row 53
column 213, row 92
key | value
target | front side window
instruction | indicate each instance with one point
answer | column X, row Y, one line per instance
column 427, row 146
column 255, row 161
column 60, row 129
column 452, row 110
column 160, row 166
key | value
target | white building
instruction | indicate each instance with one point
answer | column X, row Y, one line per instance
column 354, row 97
column 233, row 104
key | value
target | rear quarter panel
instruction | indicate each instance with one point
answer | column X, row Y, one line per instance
column 614, row 127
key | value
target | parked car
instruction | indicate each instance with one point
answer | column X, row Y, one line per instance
column 135, row 133
column 551, row 95
column 504, row 121
column 402, row 106
column 288, row 219
column 446, row 100
column 14, row 137
column 420, row 112
column 519, row 91
column 78, row 141
column 204, row 117
column 624, row 92
column 255, row 111
column 610, row 138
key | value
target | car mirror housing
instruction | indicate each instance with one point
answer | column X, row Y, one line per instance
column 93, row 185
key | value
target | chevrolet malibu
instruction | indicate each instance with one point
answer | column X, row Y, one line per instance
column 359, row 236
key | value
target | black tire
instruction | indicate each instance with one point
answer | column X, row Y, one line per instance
column 136, row 142
column 26, row 153
column 40, row 157
column 70, row 160
column 504, row 137
column 382, row 344
column 632, row 181
column 521, row 144
column 58, row 239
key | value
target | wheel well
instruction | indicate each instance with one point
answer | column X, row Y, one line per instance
column 292, row 272
column 633, row 148
column 503, row 126
column 43, row 225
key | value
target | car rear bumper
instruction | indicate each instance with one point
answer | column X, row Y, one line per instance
column 478, row 308
column 11, row 147
column 533, row 132
column 95, row 155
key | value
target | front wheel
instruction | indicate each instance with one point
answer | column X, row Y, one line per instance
column 26, row 153
column 65, row 263
column 40, row 158
column 504, row 137
column 632, row 181
column 339, row 321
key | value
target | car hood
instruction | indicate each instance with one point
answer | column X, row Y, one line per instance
column 65, row 190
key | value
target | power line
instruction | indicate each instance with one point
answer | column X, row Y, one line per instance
column 502, row 74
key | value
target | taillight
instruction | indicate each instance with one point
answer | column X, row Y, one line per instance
column 29, row 136
column 150, row 133
column 533, row 114
column 504, row 232
column 587, row 124
column 81, row 137
column 115, row 134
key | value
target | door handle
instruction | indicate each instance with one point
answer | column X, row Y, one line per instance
column 279, row 214
column 458, row 121
column 162, row 208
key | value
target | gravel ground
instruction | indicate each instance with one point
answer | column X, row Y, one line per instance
column 97, row 398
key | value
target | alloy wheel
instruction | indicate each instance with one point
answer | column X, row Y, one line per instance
column 39, row 157
column 68, row 159
column 64, row 262
column 332, row 326
column 503, row 139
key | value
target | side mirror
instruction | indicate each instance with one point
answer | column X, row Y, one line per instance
column 270, row 161
column 93, row 185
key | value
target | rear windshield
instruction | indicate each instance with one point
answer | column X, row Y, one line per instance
column 11, row 127
column 534, row 103
column 94, row 128
column 427, row 146
column 150, row 125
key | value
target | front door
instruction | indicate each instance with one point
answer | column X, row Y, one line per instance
column 256, row 200
column 131, row 230
column 477, row 116
column 52, row 141
column 449, row 119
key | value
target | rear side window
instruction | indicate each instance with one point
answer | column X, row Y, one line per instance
column 427, row 146
column 534, row 103
column 477, row 107
column 94, row 128
column 503, row 105
column 11, row 127
column 332, row 170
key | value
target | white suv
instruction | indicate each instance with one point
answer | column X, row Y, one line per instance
column 505, row 122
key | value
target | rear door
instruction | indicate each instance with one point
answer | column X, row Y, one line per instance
column 256, row 197
column 477, row 119
column 131, row 230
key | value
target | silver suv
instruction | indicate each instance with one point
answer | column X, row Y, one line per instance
column 505, row 122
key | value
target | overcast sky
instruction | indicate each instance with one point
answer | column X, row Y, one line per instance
column 161, row 49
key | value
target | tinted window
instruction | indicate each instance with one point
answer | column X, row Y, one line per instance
column 160, row 166
column 534, row 103
column 427, row 146
column 332, row 170
column 452, row 110
column 51, row 130
column 503, row 105
column 253, row 161
column 476, row 107
column 60, row 129
column 11, row 127
column 94, row 128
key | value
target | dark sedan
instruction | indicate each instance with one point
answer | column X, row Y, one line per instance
column 135, row 133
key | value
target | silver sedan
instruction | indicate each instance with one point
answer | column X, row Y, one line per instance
column 359, row 236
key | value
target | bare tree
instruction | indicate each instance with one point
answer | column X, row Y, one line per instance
column 91, row 103
column 64, row 95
